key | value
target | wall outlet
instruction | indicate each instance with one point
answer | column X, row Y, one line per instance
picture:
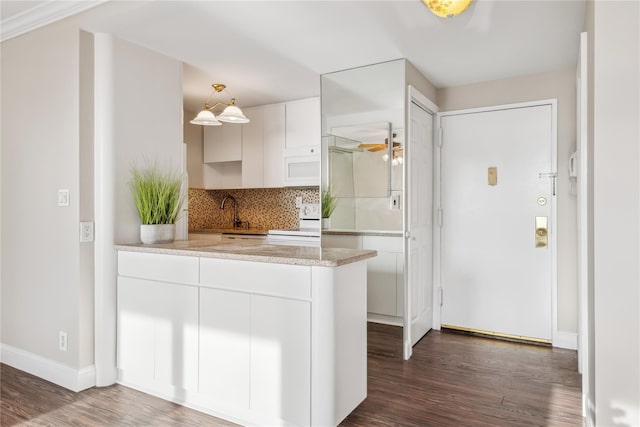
column 395, row 201
column 86, row 231
column 63, row 197
column 62, row 341
column 298, row 201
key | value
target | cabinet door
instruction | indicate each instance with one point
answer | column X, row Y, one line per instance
column 281, row 359
column 303, row 123
column 225, row 347
column 150, row 345
column 252, row 149
column 222, row 143
column 273, row 145
column 381, row 284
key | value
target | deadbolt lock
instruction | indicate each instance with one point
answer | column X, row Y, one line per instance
column 541, row 232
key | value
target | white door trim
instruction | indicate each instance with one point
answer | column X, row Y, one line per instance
column 415, row 96
column 555, row 337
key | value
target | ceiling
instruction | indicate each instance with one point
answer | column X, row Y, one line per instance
column 273, row 51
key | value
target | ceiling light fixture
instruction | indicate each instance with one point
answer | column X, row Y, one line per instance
column 447, row 8
column 231, row 114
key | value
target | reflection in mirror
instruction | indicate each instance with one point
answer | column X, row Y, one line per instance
column 362, row 108
column 364, row 171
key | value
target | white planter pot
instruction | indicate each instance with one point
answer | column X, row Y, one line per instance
column 157, row 233
column 326, row 223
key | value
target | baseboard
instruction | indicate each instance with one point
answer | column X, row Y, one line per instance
column 568, row 340
column 590, row 410
column 55, row 372
column 385, row 320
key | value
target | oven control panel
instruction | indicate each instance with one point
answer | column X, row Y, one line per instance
column 310, row 211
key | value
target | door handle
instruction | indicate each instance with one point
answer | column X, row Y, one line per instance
column 541, row 232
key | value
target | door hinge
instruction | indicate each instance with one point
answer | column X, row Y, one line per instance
column 440, row 215
column 440, row 137
column 441, row 296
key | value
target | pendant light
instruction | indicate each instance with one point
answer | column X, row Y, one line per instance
column 231, row 114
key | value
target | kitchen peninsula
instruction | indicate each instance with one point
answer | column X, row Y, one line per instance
column 255, row 333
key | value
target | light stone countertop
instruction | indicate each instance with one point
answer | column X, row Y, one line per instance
column 341, row 232
column 256, row 251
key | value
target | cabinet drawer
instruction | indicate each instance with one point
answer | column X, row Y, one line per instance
column 290, row 281
column 161, row 267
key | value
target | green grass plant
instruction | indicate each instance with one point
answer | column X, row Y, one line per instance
column 157, row 194
column 328, row 203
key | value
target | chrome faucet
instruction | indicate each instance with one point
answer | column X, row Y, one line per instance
column 236, row 221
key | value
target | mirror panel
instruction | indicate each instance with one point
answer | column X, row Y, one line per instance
column 362, row 110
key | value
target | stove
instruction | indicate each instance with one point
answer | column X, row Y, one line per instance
column 306, row 234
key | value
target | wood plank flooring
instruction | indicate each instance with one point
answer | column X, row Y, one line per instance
column 451, row 380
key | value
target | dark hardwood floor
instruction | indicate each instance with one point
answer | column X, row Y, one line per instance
column 451, row 380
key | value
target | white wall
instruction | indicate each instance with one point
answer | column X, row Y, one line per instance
column 616, row 139
column 48, row 275
column 560, row 85
column 40, row 247
column 193, row 137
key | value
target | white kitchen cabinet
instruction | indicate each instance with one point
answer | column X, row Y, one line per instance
column 281, row 359
column 385, row 273
column 381, row 284
column 303, row 124
column 302, row 143
column 222, row 143
column 225, row 347
column 237, row 338
column 158, row 333
column 273, row 145
column 252, row 149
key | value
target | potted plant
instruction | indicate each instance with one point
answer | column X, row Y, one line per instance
column 158, row 197
column 328, row 205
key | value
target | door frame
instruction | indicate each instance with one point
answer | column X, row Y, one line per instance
column 553, row 234
column 413, row 96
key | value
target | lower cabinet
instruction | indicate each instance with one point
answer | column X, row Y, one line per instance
column 251, row 345
column 237, row 338
column 281, row 359
column 225, row 347
column 150, row 346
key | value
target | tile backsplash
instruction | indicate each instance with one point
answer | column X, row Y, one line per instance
column 266, row 208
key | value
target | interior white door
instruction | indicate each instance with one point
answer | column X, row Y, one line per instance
column 419, row 253
column 495, row 278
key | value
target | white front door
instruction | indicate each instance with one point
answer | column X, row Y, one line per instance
column 497, row 197
column 419, row 248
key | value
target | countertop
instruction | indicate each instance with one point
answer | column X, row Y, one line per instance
column 230, row 230
column 363, row 233
column 256, row 251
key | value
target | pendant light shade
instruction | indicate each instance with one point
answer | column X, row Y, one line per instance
column 205, row 118
column 447, row 8
column 232, row 114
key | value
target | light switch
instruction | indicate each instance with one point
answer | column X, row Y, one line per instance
column 63, row 197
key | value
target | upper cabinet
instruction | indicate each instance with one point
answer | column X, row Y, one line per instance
column 273, row 145
column 302, row 143
column 252, row 149
column 303, row 125
column 222, row 143
column 279, row 147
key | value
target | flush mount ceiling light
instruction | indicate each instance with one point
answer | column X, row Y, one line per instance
column 231, row 114
column 447, row 8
